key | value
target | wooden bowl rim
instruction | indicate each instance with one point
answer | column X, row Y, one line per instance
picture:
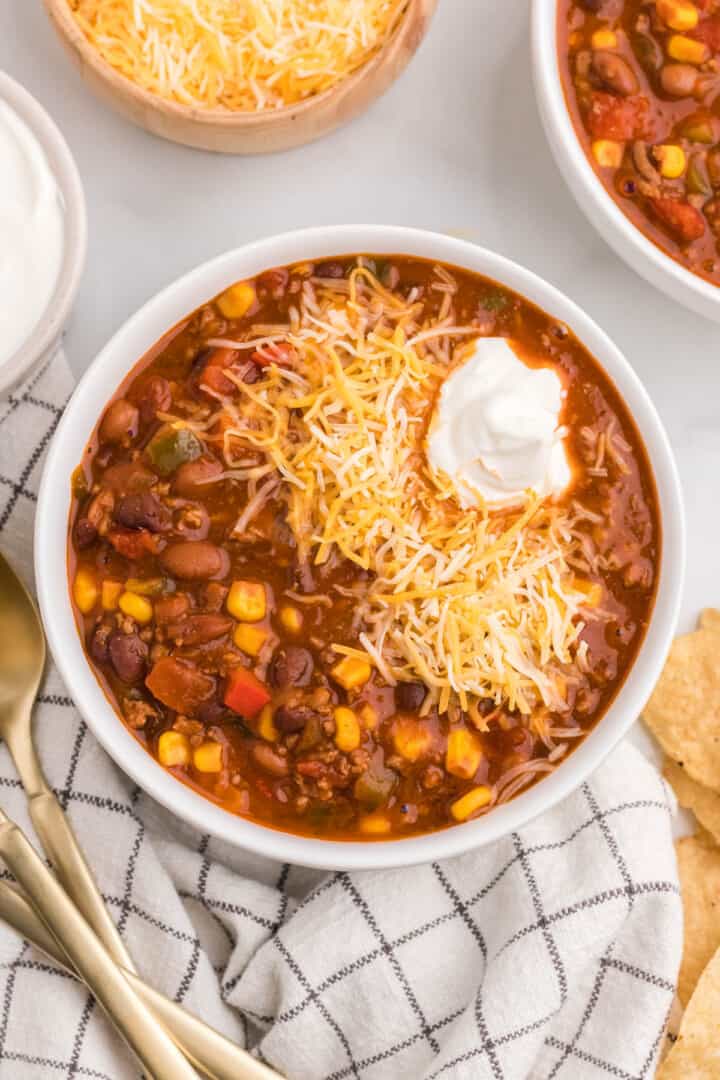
column 59, row 11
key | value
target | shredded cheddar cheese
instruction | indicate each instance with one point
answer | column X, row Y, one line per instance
column 258, row 54
column 480, row 605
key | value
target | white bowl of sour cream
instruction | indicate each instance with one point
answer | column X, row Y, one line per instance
column 43, row 229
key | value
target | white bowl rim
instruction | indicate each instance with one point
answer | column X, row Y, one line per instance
column 62, row 163
column 645, row 257
column 111, row 365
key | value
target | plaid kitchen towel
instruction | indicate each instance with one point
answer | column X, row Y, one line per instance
column 552, row 954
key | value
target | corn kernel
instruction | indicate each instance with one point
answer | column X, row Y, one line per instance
column 347, row 730
column 237, row 300
column 246, row 601
column 266, row 725
column 375, row 825
column 469, row 804
column 173, row 749
column 110, row 594
column 604, row 39
column 208, row 757
column 687, row 50
column 351, row 672
column 85, row 590
column 137, row 607
column 671, row 159
column 678, row 14
column 412, row 738
column 250, row 638
column 290, row 619
column 464, row 754
column 608, row 153
column 369, row 717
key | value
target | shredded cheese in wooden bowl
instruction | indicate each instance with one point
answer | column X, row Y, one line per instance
column 479, row 604
column 244, row 57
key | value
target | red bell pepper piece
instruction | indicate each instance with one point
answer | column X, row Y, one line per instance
column 245, row 694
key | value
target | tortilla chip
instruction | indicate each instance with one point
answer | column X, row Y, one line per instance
column 684, row 711
column 710, row 619
column 696, row 1054
column 699, row 866
column 704, row 803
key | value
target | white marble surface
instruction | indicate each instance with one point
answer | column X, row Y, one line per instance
column 455, row 146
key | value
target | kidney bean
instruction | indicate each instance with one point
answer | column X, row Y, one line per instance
column 291, row 666
column 142, row 512
column 153, row 396
column 199, row 629
column 195, row 560
column 179, row 684
column 128, row 655
column 120, row 423
column 292, row 718
column 85, row 533
column 270, row 760
column 100, row 642
column 194, row 477
column 169, row 608
column 615, row 73
column 409, row 696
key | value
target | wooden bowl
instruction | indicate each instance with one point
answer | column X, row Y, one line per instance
column 229, row 132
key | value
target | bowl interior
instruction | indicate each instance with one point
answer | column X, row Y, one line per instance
column 90, row 398
column 69, row 184
column 627, row 241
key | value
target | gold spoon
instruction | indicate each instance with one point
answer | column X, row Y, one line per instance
column 207, row 1049
column 22, row 658
column 21, row 664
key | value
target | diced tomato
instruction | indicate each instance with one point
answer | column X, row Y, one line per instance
column 708, row 31
column 245, row 694
column 213, row 376
column 679, row 217
column 617, row 118
column 279, row 352
column 179, row 684
column 134, row 543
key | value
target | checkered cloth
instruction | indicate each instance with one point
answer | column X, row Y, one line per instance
column 552, row 954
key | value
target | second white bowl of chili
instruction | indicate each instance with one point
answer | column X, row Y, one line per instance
column 632, row 153
column 312, row 715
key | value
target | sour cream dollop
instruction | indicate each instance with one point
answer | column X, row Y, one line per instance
column 31, row 232
column 496, row 429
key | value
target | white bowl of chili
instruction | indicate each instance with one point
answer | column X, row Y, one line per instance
column 168, row 309
column 562, row 122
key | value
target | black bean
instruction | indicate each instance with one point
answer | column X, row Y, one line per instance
column 292, row 718
column 291, row 666
column 409, row 696
column 211, row 712
column 99, row 644
column 128, row 655
column 85, row 533
column 142, row 512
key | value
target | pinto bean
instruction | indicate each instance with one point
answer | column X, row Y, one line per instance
column 128, row 477
column 128, row 655
column 179, row 684
column 291, row 666
column 270, row 760
column 678, row 80
column 194, row 477
column 615, row 73
column 409, row 696
column 142, row 512
column 120, row 423
column 292, row 718
column 199, row 629
column 170, row 608
column 329, row 270
column 195, row 560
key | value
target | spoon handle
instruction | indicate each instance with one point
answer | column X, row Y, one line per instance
column 210, row 1052
column 159, row 1056
column 60, row 845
